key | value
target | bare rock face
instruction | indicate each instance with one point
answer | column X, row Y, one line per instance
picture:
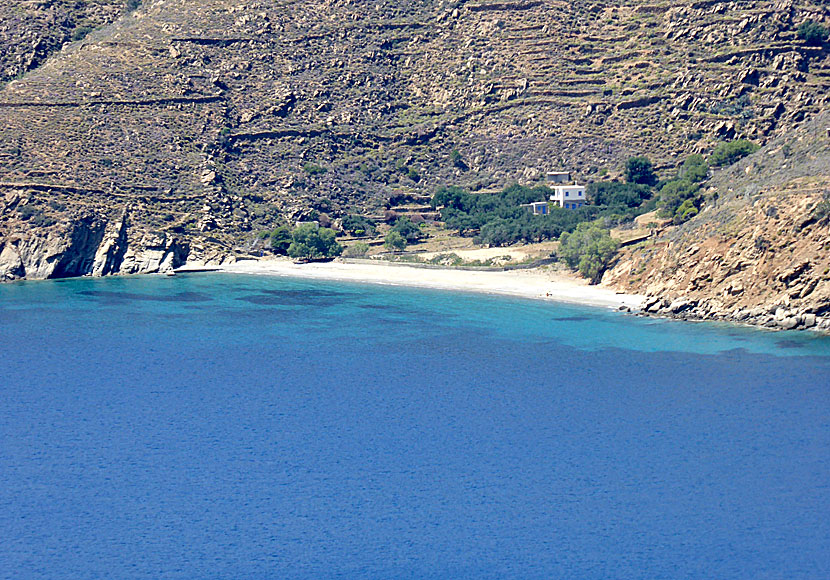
column 11, row 264
column 110, row 253
column 90, row 245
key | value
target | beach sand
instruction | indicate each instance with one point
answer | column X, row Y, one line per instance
column 536, row 283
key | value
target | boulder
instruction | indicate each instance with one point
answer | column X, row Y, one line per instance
column 679, row 305
column 788, row 323
column 11, row 265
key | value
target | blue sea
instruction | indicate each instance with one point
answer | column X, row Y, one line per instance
column 213, row 426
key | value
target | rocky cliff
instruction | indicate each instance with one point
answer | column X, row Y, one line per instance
column 759, row 252
column 213, row 119
column 89, row 245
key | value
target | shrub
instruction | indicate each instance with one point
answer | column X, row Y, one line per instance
column 447, row 259
column 686, row 211
column 132, row 5
column 728, row 152
column 822, row 209
column 640, row 170
column 81, row 32
column 28, row 211
column 358, row 225
column 35, row 216
column 812, row 33
column 589, row 250
column 457, row 160
column 394, row 241
column 312, row 169
column 313, row 243
column 356, row 250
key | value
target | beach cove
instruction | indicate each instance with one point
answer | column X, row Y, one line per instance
column 534, row 283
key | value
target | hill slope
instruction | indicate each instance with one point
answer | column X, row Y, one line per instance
column 759, row 252
column 186, row 126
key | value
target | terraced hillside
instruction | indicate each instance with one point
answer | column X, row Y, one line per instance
column 204, row 121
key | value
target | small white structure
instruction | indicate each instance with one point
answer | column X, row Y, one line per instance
column 568, row 196
column 558, row 177
column 538, row 207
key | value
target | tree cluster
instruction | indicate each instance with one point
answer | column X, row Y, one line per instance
column 589, row 250
column 357, row 225
column 679, row 198
column 307, row 241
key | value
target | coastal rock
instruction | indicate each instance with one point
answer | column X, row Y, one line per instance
column 788, row 323
column 111, row 251
column 11, row 265
column 87, row 245
column 679, row 306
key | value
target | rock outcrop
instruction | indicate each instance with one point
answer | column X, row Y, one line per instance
column 87, row 245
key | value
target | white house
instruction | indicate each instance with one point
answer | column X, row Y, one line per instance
column 568, row 196
column 538, row 207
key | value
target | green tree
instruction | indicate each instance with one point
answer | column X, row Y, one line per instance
column 614, row 193
column 589, row 250
column 406, row 228
column 695, row 169
column 358, row 225
column 673, row 194
column 281, row 240
column 813, row 33
column 310, row 242
column 640, row 170
column 728, row 152
column 394, row 241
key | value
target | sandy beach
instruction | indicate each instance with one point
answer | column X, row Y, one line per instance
column 537, row 283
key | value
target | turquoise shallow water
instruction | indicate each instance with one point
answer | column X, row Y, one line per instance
column 212, row 426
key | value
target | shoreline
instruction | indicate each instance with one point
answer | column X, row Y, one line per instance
column 536, row 284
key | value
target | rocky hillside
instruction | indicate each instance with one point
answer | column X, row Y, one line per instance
column 204, row 121
column 759, row 252
column 31, row 30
